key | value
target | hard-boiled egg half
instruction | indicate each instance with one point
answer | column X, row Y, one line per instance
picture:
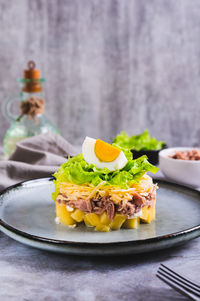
column 102, row 154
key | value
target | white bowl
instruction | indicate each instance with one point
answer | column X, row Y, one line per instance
column 181, row 171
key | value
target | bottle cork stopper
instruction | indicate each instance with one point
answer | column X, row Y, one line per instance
column 33, row 75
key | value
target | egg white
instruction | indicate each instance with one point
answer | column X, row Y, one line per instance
column 91, row 158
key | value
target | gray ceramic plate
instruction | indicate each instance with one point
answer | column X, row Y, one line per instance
column 27, row 215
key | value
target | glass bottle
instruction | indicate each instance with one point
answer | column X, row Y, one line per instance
column 32, row 120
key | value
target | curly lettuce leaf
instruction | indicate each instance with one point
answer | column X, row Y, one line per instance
column 76, row 170
column 139, row 142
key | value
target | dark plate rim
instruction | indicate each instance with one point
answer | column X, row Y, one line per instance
column 154, row 240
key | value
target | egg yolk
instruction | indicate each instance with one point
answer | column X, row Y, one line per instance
column 106, row 152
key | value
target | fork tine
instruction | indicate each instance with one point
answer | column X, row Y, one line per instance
column 181, row 277
column 177, row 288
column 179, row 281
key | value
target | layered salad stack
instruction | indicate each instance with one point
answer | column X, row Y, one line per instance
column 104, row 188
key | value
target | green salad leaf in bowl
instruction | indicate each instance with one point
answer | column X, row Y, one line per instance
column 138, row 142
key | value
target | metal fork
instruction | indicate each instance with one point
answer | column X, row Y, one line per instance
column 179, row 283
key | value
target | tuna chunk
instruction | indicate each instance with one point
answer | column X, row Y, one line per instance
column 102, row 204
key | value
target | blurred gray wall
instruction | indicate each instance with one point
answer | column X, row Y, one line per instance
column 110, row 65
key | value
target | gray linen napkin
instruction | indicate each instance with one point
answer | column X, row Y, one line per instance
column 35, row 157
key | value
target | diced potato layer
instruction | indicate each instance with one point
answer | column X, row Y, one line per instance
column 93, row 219
column 148, row 214
column 104, row 220
column 117, row 222
column 102, row 228
column 78, row 215
column 132, row 223
column 101, row 222
column 64, row 215
column 145, row 213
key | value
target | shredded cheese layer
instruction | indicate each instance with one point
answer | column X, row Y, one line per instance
column 74, row 192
